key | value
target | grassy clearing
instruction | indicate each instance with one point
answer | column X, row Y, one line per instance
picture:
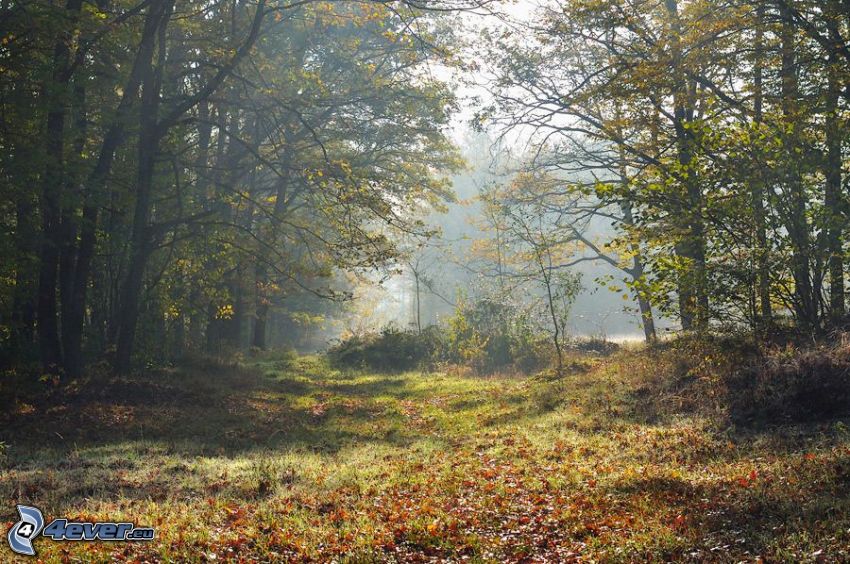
column 279, row 461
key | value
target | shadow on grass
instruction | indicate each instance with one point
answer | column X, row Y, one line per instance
column 221, row 410
column 737, row 519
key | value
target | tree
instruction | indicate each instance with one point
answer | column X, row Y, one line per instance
column 539, row 247
column 262, row 148
column 708, row 114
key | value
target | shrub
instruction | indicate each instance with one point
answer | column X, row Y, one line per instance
column 490, row 335
column 486, row 335
column 736, row 378
column 283, row 358
column 595, row 345
column 391, row 350
column 793, row 385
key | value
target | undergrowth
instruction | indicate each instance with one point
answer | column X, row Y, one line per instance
column 637, row 456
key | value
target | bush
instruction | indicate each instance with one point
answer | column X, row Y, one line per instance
column 486, row 336
column 391, row 350
column 793, row 385
column 737, row 379
column 490, row 335
column 595, row 345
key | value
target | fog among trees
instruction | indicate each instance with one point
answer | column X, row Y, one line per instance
column 207, row 177
column 409, row 280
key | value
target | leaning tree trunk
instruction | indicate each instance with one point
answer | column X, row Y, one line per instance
column 140, row 244
column 644, row 305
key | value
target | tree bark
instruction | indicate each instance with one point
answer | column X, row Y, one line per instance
column 693, row 298
column 833, row 200
column 637, row 272
column 23, row 303
column 55, row 93
column 261, row 307
column 72, row 324
column 262, row 303
column 152, row 129
column 140, row 244
column 757, row 184
column 805, row 302
column 67, row 253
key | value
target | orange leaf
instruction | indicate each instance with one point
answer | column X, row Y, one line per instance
column 434, row 527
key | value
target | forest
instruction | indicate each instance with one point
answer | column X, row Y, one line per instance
column 425, row 280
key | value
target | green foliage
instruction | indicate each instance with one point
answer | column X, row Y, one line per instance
column 390, row 350
column 491, row 335
column 724, row 194
column 485, row 335
column 464, row 342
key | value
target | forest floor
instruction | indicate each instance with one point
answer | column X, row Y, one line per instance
column 295, row 461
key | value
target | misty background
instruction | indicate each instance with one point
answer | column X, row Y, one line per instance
column 448, row 269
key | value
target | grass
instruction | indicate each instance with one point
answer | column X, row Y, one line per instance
column 299, row 462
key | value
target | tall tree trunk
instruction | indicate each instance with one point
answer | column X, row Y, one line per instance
column 647, row 319
column 637, row 272
column 23, row 304
column 263, row 299
column 21, row 170
column 233, row 327
column 202, row 182
column 140, row 243
column 178, row 348
column 833, row 200
column 556, row 326
column 72, row 321
column 757, row 184
column 693, row 297
column 418, row 303
column 211, row 346
column 67, row 253
column 261, row 307
column 281, row 206
column 55, row 93
column 152, row 129
column 805, row 302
